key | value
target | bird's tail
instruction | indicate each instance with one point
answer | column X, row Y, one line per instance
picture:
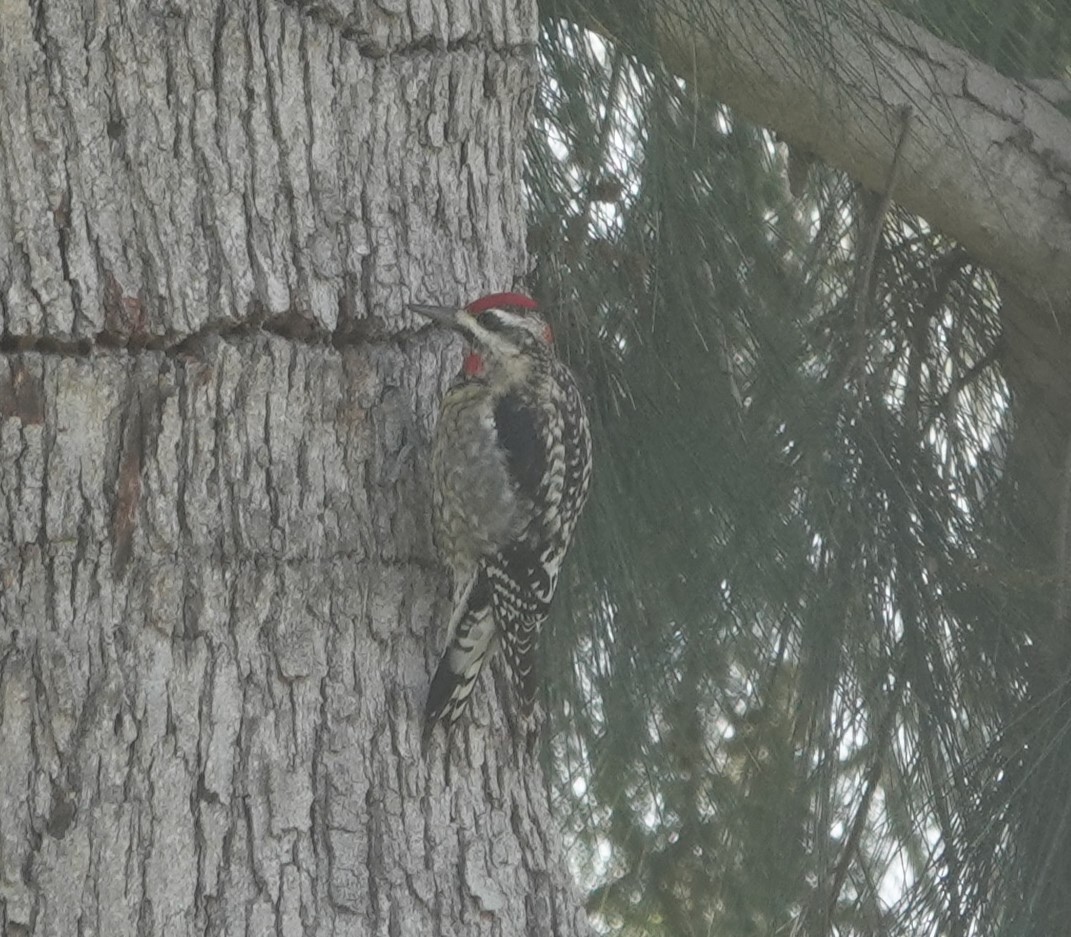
column 469, row 641
column 521, row 587
column 519, row 648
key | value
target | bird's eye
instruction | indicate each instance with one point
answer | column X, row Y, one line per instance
column 490, row 320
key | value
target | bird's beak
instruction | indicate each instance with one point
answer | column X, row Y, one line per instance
column 449, row 316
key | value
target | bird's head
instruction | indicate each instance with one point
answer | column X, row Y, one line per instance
column 503, row 331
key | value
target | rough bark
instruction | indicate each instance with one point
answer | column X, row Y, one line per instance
column 216, row 580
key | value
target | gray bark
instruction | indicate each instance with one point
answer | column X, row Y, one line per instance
column 219, row 605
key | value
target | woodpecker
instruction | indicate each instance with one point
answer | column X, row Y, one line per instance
column 511, row 466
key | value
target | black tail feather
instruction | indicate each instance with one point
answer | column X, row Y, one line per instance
column 461, row 663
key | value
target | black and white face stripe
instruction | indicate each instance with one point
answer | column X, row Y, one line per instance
column 503, row 331
column 506, row 322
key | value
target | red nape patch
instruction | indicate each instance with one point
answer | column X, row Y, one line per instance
column 548, row 334
column 498, row 300
column 472, row 365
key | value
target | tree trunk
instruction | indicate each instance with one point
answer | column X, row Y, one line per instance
column 220, row 607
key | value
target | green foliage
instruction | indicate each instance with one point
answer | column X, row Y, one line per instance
column 793, row 667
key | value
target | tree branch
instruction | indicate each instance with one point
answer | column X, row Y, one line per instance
column 989, row 158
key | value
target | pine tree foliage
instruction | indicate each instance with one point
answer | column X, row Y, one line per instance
column 798, row 679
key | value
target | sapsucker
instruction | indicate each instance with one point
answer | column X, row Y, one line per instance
column 511, row 466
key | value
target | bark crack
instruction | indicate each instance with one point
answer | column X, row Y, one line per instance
column 291, row 327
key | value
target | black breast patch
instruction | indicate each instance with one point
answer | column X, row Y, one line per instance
column 517, row 424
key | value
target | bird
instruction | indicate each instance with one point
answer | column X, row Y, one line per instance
column 511, row 470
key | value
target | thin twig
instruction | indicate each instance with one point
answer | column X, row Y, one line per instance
column 865, row 269
column 974, row 372
column 851, row 844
